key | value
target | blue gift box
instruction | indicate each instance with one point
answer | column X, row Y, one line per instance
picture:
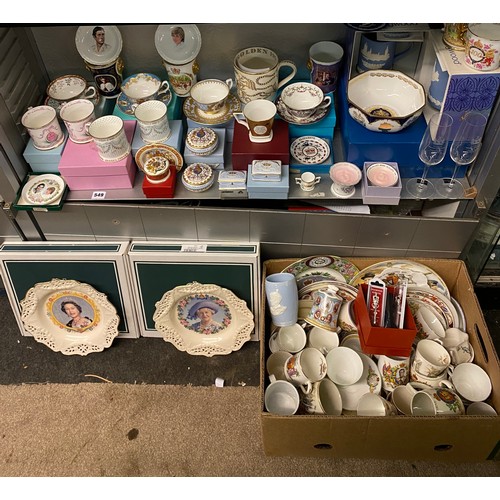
column 44, row 161
column 269, row 190
column 217, row 157
column 175, row 139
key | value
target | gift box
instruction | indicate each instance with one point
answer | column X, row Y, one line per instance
column 378, row 195
column 174, row 140
column 245, row 151
column 263, row 189
column 214, row 158
column 266, row 170
column 44, row 161
column 83, row 169
column 163, row 189
column 379, row 340
column 174, row 110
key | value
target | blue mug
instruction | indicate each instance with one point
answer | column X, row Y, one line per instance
column 376, row 54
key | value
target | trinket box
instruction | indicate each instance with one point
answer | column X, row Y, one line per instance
column 216, row 158
column 201, row 141
column 244, row 151
column 83, row 169
column 198, row 177
column 232, row 179
column 44, row 161
column 174, row 140
column 266, row 170
column 164, row 189
column 376, row 188
column 269, row 190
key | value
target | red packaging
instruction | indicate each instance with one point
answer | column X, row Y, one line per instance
column 163, row 189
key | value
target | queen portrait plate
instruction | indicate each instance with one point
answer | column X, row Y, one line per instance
column 195, row 114
column 178, row 43
column 43, row 189
column 69, row 317
column 203, row 319
column 309, row 120
column 96, row 47
column 127, row 107
column 310, row 150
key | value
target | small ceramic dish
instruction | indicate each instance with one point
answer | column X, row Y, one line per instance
column 382, row 175
column 310, row 150
column 151, row 150
column 385, row 100
column 198, row 177
column 202, row 141
column 157, row 169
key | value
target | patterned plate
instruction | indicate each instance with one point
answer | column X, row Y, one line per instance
column 43, row 189
column 178, row 43
column 310, row 150
column 194, row 113
column 286, row 116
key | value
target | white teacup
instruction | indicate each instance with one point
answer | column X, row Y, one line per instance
column 305, row 367
column 395, row 371
column 211, row 95
column 77, row 115
column 153, row 121
column 324, row 399
column 470, row 381
column 437, row 402
column 431, row 326
column 481, row 408
column 307, row 181
column 68, row 87
column 374, row 405
column 402, row 395
column 323, row 340
column 345, row 366
column 416, row 376
column 431, row 358
column 275, row 364
column 351, row 341
column 288, row 338
column 462, row 353
column 43, row 127
column 281, row 397
column 303, row 99
column 143, row 87
column 258, row 118
column 109, row 136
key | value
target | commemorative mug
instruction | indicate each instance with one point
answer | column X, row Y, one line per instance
column 109, row 136
column 258, row 118
column 454, row 35
column 325, row 309
column 436, row 402
column 43, row 127
column 68, row 87
column 376, row 54
column 305, row 367
column 257, row 73
column 182, row 76
column 323, row 399
column 153, row 121
column 325, row 59
column 395, row 371
column 282, row 298
column 482, row 46
column 77, row 115
column 108, row 77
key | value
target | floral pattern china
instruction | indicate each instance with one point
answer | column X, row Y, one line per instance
column 310, row 150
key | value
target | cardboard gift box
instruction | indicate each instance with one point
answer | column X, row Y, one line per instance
column 454, row 438
column 214, row 158
column 174, row 140
column 82, row 167
column 163, row 189
column 379, row 195
column 44, row 161
column 263, row 189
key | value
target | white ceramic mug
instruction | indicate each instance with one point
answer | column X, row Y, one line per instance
column 43, row 127
column 307, row 181
column 374, row 405
column 303, row 99
column 109, row 136
column 211, row 95
column 257, row 72
column 281, row 397
column 482, row 46
column 416, row 376
column 431, row 358
column 153, row 121
column 437, row 402
column 401, row 396
column 395, row 371
column 345, row 366
column 324, row 399
column 258, row 118
column 77, row 115
column 305, row 367
column 291, row 338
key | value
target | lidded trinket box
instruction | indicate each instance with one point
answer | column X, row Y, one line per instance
column 198, row 177
column 202, row 141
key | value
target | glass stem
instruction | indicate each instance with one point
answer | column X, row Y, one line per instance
column 453, row 177
column 421, row 182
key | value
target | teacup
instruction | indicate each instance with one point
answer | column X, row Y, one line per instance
column 43, row 127
column 288, row 338
column 307, row 181
column 470, row 381
column 210, row 96
column 275, row 364
column 462, row 353
column 68, row 87
column 323, row 340
column 109, row 136
column 431, row 326
column 143, row 87
column 374, row 405
column 257, row 71
column 416, row 376
column 281, row 397
column 324, row 399
column 436, row 402
column 431, row 358
column 395, row 371
column 482, row 46
column 258, row 118
column 480, row 408
column 401, row 396
column 153, row 121
column 454, row 337
column 77, row 115
column 305, row 367
column 303, row 99
column 350, row 340
column 345, row 366
column 346, row 320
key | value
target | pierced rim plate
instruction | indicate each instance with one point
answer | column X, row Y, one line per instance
column 43, row 189
column 310, row 150
column 286, row 116
column 128, row 107
column 391, row 271
column 183, row 53
column 180, row 319
column 194, row 113
column 89, row 325
column 85, row 44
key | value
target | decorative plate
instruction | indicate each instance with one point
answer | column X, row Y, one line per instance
column 87, row 46
column 150, row 150
column 310, row 150
column 203, row 319
column 128, row 107
column 194, row 113
column 54, row 103
column 69, row 317
column 329, row 266
column 287, row 117
column 178, row 43
column 43, row 189
column 438, row 302
column 391, row 271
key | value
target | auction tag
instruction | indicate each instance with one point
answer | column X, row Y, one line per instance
column 194, row 248
column 98, row 195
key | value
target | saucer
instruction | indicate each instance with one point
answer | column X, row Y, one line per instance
column 310, row 150
column 54, row 103
column 194, row 113
column 287, row 117
column 128, row 107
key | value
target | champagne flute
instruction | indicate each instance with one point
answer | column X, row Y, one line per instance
column 431, row 151
column 464, row 150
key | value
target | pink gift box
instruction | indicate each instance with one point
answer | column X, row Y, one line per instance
column 82, row 167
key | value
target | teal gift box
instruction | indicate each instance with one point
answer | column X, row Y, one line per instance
column 44, row 161
column 277, row 190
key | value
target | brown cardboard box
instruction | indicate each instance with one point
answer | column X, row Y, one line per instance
column 463, row 438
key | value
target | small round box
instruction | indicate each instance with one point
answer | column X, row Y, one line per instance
column 202, row 141
column 198, row 177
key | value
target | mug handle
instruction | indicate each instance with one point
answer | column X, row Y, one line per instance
column 272, row 378
column 164, row 87
column 306, row 388
column 298, row 180
column 325, row 103
column 290, row 64
column 447, row 384
column 240, row 118
column 90, row 92
column 229, row 83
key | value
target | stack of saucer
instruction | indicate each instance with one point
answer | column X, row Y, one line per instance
column 198, row 177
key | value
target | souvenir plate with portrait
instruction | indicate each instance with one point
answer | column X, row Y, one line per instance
column 178, row 43
column 43, row 189
column 99, row 45
column 203, row 319
column 69, row 317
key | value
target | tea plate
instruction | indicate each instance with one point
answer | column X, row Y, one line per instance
column 223, row 327
column 69, row 317
column 310, row 150
column 43, row 189
column 180, row 53
column 287, row 117
column 194, row 113
column 128, row 107
column 86, row 45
